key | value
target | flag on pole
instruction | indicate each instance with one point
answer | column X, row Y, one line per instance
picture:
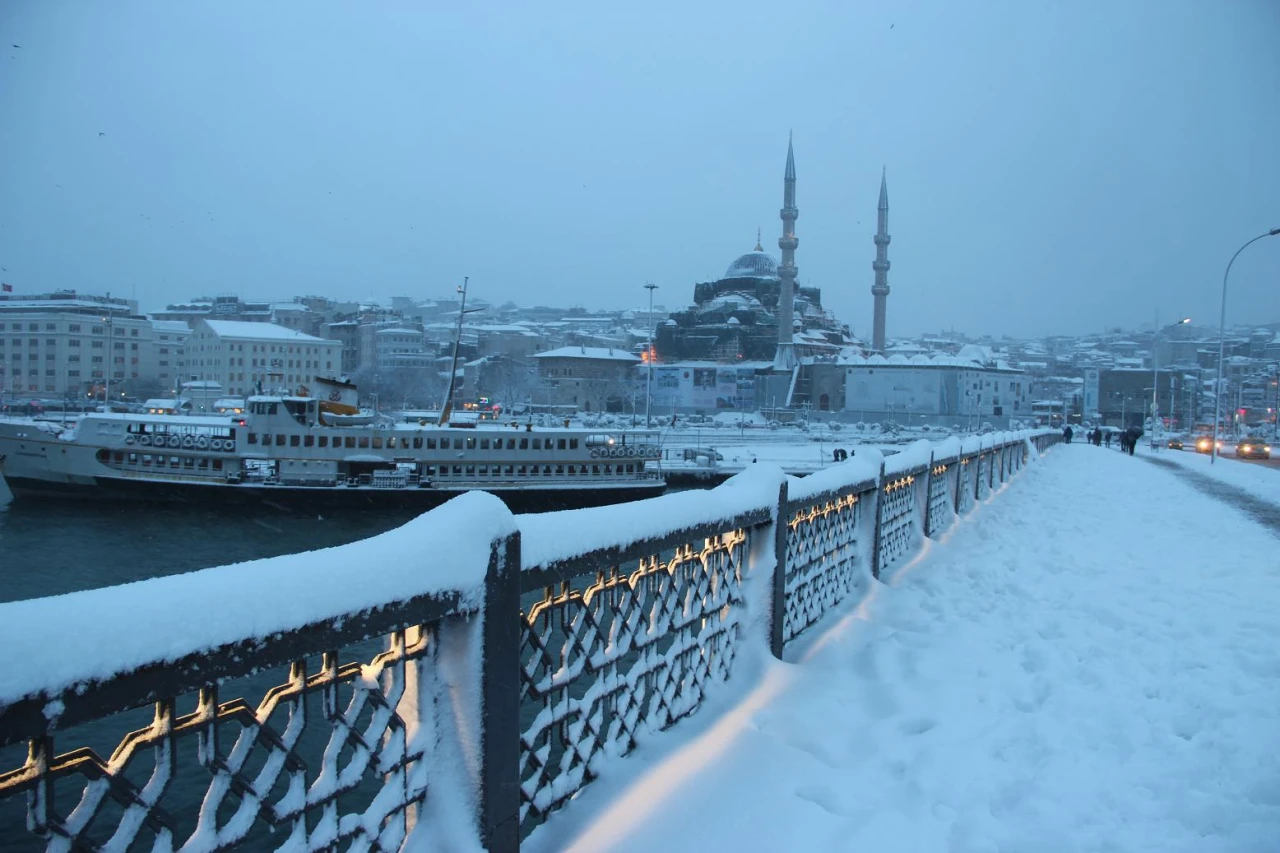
column 7, row 288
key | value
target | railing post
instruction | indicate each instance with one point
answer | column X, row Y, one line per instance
column 928, row 498
column 500, row 700
column 960, row 469
column 875, row 539
column 778, row 616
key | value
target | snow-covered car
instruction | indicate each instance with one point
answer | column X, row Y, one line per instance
column 1253, row 447
column 1174, row 444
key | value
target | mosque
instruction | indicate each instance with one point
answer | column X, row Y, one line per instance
column 741, row 317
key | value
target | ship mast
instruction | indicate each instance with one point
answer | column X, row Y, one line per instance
column 447, row 409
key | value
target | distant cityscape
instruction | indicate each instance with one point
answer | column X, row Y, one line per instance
column 750, row 341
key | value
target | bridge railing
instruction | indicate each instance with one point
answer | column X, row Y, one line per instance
column 463, row 676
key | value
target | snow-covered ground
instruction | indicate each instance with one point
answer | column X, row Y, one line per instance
column 1091, row 664
column 1261, row 481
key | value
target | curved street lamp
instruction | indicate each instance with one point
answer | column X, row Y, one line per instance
column 1222, row 333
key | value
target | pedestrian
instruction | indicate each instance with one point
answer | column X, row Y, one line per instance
column 1107, row 438
column 1066, row 434
column 1131, row 436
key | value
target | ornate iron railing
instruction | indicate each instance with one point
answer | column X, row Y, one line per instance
column 370, row 712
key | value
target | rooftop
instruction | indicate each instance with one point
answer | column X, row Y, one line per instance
column 260, row 331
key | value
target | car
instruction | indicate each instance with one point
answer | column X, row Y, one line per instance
column 1204, row 444
column 1174, row 444
column 1253, row 447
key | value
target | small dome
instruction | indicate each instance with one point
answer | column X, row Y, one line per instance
column 753, row 265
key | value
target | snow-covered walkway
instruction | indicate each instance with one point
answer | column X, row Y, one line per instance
column 1091, row 662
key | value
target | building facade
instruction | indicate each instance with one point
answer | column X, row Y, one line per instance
column 244, row 357
column 67, row 344
column 595, row 379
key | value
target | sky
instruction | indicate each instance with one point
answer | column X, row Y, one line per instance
column 1054, row 167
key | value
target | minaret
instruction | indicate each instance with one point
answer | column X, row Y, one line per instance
column 785, row 357
column 880, row 290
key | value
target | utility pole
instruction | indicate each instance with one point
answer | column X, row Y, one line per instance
column 648, row 387
column 108, row 359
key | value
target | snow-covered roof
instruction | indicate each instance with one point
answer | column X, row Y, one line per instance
column 170, row 326
column 599, row 353
column 245, row 329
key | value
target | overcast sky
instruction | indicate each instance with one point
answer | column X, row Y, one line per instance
column 1054, row 167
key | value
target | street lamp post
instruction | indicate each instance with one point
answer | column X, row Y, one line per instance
column 1155, row 377
column 648, row 385
column 1222, row 336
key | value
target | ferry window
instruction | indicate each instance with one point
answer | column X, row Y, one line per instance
column 348, row 441
column 391, row 443
column 457, row 470
column 595, row 469
column 189, row 462
column 559, row 469
column 417, row 443
column 560, row 444
column 266, row 439
column 280, row 440
column 295, row 440
column 608, row 470
column 204, row 463
column 471, row 470
column 431, row 443
column 377, row 442
column 364, row 442
column 309, row 441
column 324, row 441
column 509, row 470
column 133, row 459
column 537, row 444
column 146, row 459
column 511, row 444
column 546, row 470
column 484, row 444
column 118, row 456
column 573, row 444
column 271, row 408
column 471, row 443
column 253, row 438
column 524, row 444
column 631, row 469
column 175, row 461
column 572, row 469
column 521, row 471
column 217, row 464
column 430, row 470
column 483, row 471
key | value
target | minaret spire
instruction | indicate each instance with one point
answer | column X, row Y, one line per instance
column 880, row 290
column 785, row 357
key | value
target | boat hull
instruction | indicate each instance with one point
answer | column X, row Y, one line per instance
column 305, row 498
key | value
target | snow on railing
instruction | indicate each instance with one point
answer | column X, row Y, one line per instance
column 458, row 678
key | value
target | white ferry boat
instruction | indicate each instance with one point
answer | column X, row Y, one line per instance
column 285, row 451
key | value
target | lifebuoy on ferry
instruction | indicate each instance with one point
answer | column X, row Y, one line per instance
column 188, row 442
column 174, row 441
column 128, row 439
column 144, row 440
column 216, row 444
column 202, row 442
column 595, row 454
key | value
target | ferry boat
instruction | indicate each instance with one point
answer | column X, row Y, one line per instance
column 283, row 450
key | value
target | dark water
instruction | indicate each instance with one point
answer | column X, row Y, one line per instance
column 51, row 548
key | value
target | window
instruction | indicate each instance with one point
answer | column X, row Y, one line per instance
column 295, row 440
column 349, row 441
column 308, row 441
column 74, row 327
column 280, row 440
column 417, row 443
column 484, row 444
column 324, row 441
column 537, row 444
column 377, row 442
column 573, row 444
column 560, row 444
column 253, row 438
column 471, row 443
column 364, row 442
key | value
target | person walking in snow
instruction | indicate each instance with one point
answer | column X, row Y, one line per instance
column 1131, row 436
column 1107, row 438
column 1066, row 434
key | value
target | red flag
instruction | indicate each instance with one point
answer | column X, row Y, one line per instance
column 7, row 288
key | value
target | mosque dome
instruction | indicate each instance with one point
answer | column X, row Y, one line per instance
column 757, row 264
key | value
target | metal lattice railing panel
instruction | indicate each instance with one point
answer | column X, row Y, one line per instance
column 822, row 560
column 349, row 774
column 940, row 506
column 982, row 470
column 899, row 520
column 965, row 485
column 631, row 651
